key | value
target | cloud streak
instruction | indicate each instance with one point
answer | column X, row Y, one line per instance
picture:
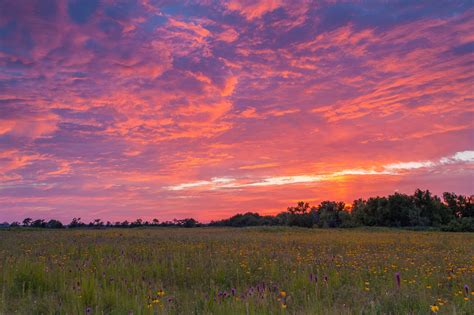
column 389, row 169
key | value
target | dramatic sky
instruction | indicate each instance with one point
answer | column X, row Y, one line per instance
column 119, row 109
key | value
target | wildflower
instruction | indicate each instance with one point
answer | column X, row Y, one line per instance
column 283, row 293
column 160, row 293
column 155, row 301
column 397, row 279
column 283, row 305
column 466, row 289
column 88, row 310
column 434, row 308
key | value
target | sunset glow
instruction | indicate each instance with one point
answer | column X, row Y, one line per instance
column 169, row 109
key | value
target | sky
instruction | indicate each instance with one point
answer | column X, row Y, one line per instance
column 125, row 109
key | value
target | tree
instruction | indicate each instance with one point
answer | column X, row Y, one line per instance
column 430, row 206
column 75, row 223
column 459, row 206
column 97, row 223
column 54, row 224
column 301, row 208
column 398, row 206
column 330, row 214
column 187, row 223
column 359, row 212
column 136, row 223
column 40, row 223
column 300, row 215
column 27, row 221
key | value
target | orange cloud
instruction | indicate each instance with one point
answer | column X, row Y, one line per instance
column 31, row 126
column 253, row 9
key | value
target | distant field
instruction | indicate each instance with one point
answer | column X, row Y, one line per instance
column 235, row 271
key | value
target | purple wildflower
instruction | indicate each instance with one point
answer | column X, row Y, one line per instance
column 88, row 310
column 397, row 278
column 466, row 289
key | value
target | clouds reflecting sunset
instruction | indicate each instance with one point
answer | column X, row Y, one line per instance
column 124, row 109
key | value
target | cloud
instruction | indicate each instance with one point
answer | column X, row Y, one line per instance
column 246, row 104
column 409, row 165
column 253, row 9
column 389, row 169
column 464, row 156
column 211, row 184
column 229, row 35
column 26, row 124
column 256, row 166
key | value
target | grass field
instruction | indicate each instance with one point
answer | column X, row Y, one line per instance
column 235, row 271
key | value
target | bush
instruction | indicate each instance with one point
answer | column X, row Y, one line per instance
column 460, row 225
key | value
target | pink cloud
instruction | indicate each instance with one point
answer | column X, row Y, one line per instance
column 253, row 9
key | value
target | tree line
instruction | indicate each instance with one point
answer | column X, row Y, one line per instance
column 419, row 211
column 98, row 223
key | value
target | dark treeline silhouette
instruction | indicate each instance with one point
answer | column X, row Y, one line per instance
column 420, row 210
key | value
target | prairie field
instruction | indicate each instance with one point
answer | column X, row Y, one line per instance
column 235, row 271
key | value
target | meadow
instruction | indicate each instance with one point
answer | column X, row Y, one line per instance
column 275, row 270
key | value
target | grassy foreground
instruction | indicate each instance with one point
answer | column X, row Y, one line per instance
column 235, row 271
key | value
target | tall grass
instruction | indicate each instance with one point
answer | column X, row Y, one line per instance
column 235, row 271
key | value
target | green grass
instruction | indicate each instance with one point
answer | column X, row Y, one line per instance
column 121, row 271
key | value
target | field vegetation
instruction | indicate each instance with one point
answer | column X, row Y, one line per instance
column 213, row 270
